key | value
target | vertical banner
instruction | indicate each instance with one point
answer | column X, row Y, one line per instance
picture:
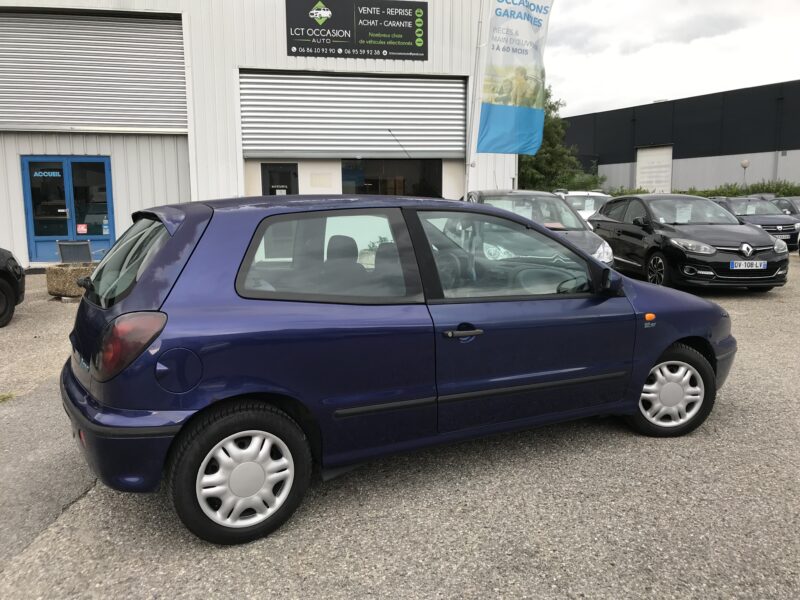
column 512, row 107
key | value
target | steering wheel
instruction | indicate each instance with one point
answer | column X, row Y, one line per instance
column 562, row 287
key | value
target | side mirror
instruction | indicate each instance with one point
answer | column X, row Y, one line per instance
column 642, row 222
column 610, row 283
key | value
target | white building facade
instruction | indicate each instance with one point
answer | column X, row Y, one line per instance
column 112, row 106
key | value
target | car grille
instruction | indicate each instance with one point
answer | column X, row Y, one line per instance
column 736, row 250
column 785, row 229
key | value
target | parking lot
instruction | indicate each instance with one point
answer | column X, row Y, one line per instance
column 584, row 509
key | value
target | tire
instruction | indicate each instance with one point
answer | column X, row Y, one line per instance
column 761, row 290
column 8, row 302
column 657, row 270
column 669, row 422
column 241, row 426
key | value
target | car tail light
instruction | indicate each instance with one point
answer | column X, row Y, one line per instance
column 124, row 340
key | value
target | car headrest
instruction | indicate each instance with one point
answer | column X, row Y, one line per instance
column 386, row 256
column 342, row 247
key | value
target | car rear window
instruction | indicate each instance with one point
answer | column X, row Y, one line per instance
column 116, row 276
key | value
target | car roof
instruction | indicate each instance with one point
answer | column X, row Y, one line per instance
column 513, row 193
column 648, row 197
column 327, row 202
column 585, row 193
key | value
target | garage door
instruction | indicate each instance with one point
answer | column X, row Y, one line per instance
column 327, row 116
column 91, row 73
column 654, row 169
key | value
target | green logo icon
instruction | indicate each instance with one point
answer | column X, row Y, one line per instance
column 420, row 42
column 419, row 22
column 320, row 13
column 419, row 12
column 419, row 33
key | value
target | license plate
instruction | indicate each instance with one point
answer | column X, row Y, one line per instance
column 749, row 265
column 783, row 237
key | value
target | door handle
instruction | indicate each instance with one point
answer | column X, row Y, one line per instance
column 462, row 333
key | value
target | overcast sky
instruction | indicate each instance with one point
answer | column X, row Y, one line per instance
column 605, row 54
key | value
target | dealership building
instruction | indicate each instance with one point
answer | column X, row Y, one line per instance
column 700, row 142
column 112, row 106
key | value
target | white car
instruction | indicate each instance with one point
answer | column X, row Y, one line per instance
column 586, row 203
column 320, row 13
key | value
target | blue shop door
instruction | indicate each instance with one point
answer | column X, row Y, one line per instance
column 67, row 198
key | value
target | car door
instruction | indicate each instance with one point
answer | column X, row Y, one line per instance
column 633, row 238
column 607, row 226
column 519, row 336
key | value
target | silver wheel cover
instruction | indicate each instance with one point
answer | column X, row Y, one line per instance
column 245, row 479
column 672, row 395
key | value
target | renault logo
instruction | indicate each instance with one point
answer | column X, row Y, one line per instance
column 746, row 249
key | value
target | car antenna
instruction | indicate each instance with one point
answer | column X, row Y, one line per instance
column 403, row 148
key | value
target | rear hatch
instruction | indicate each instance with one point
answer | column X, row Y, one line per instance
column 136, row 275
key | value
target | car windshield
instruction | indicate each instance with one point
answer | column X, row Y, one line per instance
column 746, row 206
column 690, row 211
column 550, row 211
column 588, row 202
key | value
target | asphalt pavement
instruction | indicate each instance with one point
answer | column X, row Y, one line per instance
column 584, row 509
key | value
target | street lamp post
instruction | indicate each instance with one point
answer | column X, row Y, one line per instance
column 745, row 163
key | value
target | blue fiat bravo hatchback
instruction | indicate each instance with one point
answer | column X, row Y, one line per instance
column 228, row 347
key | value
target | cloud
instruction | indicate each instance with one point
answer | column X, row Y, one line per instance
column 696, row 27
column 619, row 53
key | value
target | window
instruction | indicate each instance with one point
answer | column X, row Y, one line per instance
column 550, row 211
column 635, row 210
column 352, row 257
column 480, row 256
column 784, row 205
column 615, row 209
column 397, row 177
column 117, row 274
column 587, row 202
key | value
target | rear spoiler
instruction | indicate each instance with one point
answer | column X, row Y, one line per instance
column 170, row 216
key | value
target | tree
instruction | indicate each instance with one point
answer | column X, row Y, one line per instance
column 555, row 165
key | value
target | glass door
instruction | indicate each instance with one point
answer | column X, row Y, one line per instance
column 67, row 199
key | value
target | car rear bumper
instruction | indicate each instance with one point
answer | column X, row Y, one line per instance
column 127, row 450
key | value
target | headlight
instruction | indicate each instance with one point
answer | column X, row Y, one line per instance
column 780, row 247
column 797, row 226
column 493, row 252
column 693, row 246
column 604, row 253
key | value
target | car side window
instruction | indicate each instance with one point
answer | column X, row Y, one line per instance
column 784, row 205
column 360, row 257
column 482, row 256
column 615, row 209
column 635, row 210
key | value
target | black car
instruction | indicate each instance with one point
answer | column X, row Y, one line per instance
column 549, row 210
column 12, row 286
column 789, row 205
column 687, row 240
column 764, row 214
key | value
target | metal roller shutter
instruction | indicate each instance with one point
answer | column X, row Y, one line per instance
column 91, row 73
column 328, row 116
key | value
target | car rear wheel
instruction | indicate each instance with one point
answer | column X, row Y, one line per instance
column 657, row 269
column 239, row 472
column 678, row 394
column 7, row 303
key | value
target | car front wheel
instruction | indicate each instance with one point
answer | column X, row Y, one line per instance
column 657, row 269
column 239, row 472
column 677, row 395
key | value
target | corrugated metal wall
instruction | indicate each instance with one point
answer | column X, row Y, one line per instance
column 91, row 73
column 328, row 116
column 146, row 170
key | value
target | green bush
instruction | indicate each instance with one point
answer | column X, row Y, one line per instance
column 779, row 188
